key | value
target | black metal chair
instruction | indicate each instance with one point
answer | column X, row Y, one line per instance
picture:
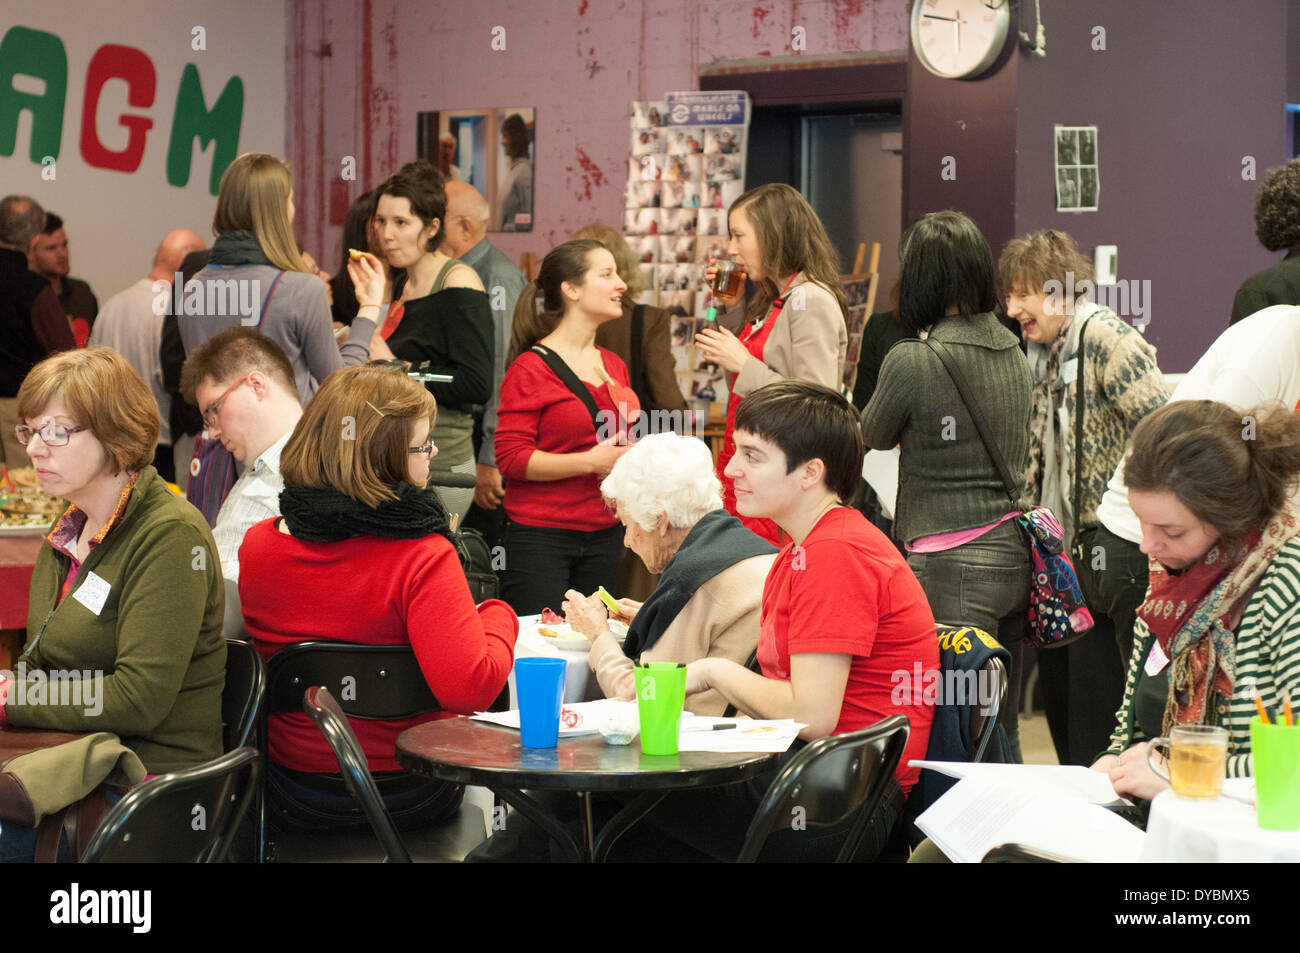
column 985, row 719
column 379, row 682
column 835, row 780
column 321, row 707
column 184, row 816
column 244, row 694
column 1022, row 854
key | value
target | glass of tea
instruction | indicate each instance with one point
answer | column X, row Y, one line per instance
column 728, row 282
column 1198, row 756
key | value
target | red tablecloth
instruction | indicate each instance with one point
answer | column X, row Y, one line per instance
column 17, row 557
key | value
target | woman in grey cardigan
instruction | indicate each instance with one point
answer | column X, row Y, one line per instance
column 953, row 512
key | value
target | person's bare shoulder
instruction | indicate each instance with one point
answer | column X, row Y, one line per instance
column 463, row 276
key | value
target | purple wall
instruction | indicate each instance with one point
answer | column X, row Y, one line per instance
column 1179, row 101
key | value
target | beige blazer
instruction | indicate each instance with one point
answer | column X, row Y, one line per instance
column 808, row 343
column 720, row 620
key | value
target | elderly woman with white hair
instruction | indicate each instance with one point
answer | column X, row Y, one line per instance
column 712, row 568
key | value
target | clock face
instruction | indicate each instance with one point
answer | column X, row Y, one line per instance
column 959, row 38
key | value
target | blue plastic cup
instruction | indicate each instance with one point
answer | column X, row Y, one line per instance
column 539, row 682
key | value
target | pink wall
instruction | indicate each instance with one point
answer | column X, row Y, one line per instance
column 579, row 62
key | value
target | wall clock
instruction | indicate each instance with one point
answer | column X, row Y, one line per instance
column 959, row 39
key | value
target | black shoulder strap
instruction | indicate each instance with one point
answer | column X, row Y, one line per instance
column 1078, row 431
column 570, row 380
column 634, row 368
column 1012, row 487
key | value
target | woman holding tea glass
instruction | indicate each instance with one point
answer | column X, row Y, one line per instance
column 794, row 323
column 1210, row 488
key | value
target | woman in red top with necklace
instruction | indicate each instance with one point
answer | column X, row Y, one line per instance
column 795, row 323
column 562, row 425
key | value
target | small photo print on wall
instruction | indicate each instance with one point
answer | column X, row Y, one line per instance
column 642, row 194
column 723, row 140
column 645, row 142
column 685, row 140
column 645, row 247
column 679, row 221
column 713, row 222
column 649, row 113
column 641, row 221
column 1078, row 182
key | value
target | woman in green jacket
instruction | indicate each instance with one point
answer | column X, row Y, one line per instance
column 127, row 589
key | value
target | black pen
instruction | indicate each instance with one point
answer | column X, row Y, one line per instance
column 722, row 727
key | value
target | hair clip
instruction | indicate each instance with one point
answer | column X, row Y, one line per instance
column 374, row 408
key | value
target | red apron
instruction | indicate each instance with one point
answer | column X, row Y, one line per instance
column 754, row 341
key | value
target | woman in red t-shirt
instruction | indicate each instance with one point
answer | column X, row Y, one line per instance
column 363, row 554
column 562, row 425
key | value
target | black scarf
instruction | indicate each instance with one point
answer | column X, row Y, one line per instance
column 324, row 515
column 239, row 247
column 717, row 542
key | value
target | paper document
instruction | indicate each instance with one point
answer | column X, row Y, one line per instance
column 880, row 470
column 1049, row 780
column 981, row 813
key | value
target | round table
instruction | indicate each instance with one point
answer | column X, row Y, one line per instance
column 465, row 751
column 1219, row 830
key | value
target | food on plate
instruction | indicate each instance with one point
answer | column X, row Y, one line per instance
column 548, row 632
column 33, row 506
column 550, row 617
column 23, row 477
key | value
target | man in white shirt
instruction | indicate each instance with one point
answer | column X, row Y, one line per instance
column 1256, row 361
column 129, row 325
column 244, row 386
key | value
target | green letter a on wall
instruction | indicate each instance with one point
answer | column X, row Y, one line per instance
column 37, row 54
column 193, row 120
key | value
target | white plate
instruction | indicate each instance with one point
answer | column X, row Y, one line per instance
column 567, row 639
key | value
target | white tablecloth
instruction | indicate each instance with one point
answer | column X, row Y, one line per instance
column 1184, row 830
column 579, row 680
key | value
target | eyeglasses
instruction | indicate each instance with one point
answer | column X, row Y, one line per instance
column 425, row 449
column 214, row 408
column 52, row 434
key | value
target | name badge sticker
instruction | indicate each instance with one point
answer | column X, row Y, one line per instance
column 1157, row 660
column 93, row 592
column 1070, row 370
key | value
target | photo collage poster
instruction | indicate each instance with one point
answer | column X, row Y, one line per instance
column 1078, row 182
column 686, row 166
column 856, row 293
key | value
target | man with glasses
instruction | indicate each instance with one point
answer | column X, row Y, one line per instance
column 244, row 386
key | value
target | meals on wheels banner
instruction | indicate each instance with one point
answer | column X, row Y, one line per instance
column 120, row 117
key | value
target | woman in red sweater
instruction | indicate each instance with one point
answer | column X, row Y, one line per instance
column 562, row 425
column 363, row 554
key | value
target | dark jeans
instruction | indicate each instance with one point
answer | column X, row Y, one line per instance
column 1083, row 682
column 543, row 563
column 985, row 583
column 700, row 826
column 303, row 803
column 18, row 844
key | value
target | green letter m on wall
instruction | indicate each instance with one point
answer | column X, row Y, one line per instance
column 37, row 54
column 193, row 120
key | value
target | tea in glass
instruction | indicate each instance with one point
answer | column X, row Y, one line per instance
column 728, row 282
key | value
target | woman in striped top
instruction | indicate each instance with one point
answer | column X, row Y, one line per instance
column 1210, row 488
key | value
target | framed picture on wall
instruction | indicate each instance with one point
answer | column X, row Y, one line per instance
column 491, row 149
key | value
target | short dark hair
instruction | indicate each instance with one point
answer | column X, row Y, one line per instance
column 514, row 133
column 421, row 184
column 946, row 263
column 1277, row 208
column 808, row 421
column 52, row 224
column 232, row 353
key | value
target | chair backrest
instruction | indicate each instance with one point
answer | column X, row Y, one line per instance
column 1022, row 854
column 321, row 707
column 244, row 694
column 184, row 816
column 835, row 780
column 984, row 718
column 381, row 682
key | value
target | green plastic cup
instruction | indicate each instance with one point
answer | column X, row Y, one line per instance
column 1277, row 774
column 660, row 695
